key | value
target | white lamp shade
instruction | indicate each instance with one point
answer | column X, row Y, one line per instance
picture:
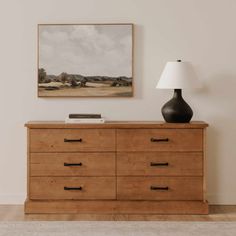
column 178, row 75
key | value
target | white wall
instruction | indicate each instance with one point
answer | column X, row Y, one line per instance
column 200, row 31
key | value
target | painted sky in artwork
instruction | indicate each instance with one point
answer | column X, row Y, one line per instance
column 90, row 50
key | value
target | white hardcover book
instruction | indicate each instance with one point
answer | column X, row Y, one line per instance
column 85, row 121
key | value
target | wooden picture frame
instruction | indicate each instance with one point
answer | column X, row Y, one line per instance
column 85, row 60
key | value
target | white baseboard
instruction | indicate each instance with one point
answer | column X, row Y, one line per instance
column 12, row 198
column 218, row 199
column 221, row 199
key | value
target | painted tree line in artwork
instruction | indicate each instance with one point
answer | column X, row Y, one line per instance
column 53, row 82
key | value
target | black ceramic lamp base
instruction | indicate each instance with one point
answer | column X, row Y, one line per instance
column 177, row 110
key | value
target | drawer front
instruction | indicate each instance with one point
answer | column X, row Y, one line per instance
column 159, row 188
column 159, row 140
column 72, row 164
column 72, row 140
column 160, row 163
column 55, row 188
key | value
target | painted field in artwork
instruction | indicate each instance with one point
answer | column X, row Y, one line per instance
column 92, row 89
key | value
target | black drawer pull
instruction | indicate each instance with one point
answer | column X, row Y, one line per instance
column 159, row 139
column 159, row 164
column 72, row 164
column 73, row 188
column 159, row 188
column 72, row 140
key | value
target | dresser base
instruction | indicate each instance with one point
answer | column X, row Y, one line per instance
column 116, row 207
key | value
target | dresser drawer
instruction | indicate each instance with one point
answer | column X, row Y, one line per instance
column 160, row 163
column 72, row 140
column 53, row 188
column 159, row 140
column 159, row 188
column 72, row 164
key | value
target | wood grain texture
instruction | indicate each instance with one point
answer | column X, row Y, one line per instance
column 52, row 188
column 178, row 140
column 142, row 163
column 92, row 164
column 52, row 140
column 28, row 161
column 204, row 166
column 179, row 188
column 116, row 125
column 117, row 207
column 115, row 174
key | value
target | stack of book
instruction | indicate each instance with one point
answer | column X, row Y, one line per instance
column 84, row 118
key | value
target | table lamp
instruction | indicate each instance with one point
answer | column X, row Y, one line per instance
column 177, row 75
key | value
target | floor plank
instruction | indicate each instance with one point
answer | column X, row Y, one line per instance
column 16, row 213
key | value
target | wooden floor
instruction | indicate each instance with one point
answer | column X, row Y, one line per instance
column 217, row 213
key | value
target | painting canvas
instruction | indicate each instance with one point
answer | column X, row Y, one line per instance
column 92, row 60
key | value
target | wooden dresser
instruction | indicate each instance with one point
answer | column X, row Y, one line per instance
column 116, row 168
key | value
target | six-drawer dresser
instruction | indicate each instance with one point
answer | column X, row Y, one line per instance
column 116, row 168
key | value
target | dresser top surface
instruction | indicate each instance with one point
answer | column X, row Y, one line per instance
column 116, row 124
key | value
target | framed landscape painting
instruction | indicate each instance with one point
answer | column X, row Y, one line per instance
column 85, row 60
